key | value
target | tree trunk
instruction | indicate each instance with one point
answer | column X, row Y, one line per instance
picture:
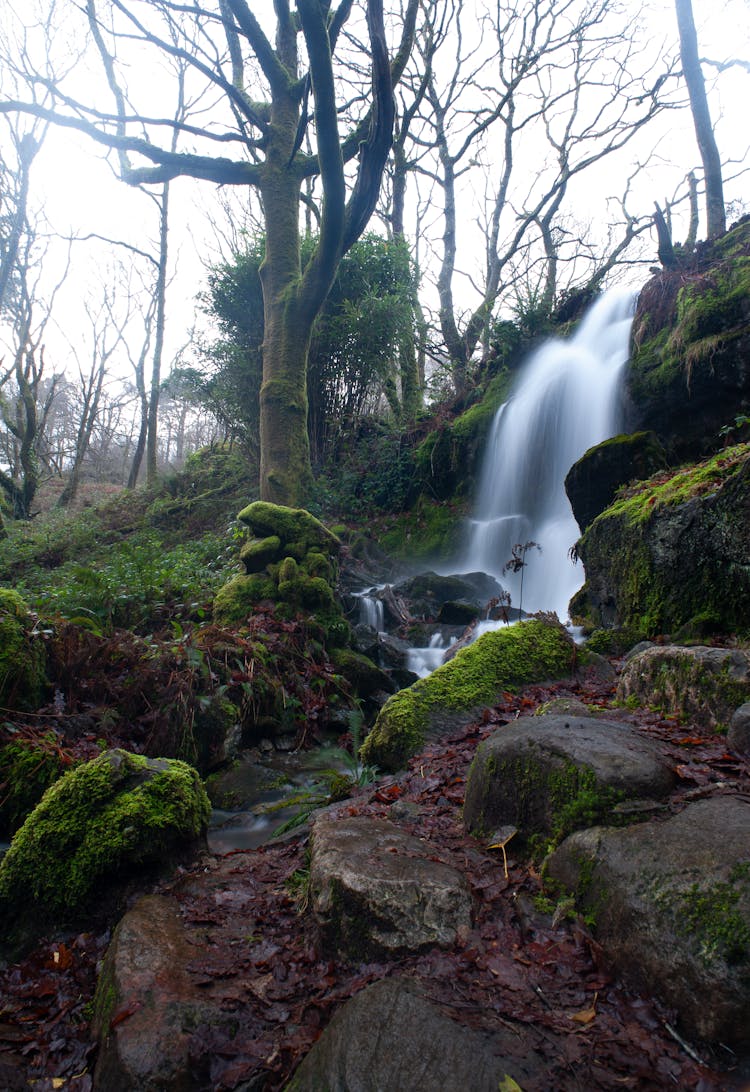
column 691, row 70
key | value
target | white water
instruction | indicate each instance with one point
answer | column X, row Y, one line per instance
column 566, row 399
column 371, row 609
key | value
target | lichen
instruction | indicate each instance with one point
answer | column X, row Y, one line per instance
column 501, row 660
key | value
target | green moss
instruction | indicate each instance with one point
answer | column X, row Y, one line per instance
column 431, row 530
column 259, row 552
column 501, row 660
column 238, row 599
column 291, row 525
column 27, row 768
column 712, row 915
column 22, row 656
column 614, row 642
column 637, row 503
column 113, row 813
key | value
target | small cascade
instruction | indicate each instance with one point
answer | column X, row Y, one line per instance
column 566, row 399
column 371, row 610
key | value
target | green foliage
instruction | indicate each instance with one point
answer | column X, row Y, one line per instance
column 137, row 584
column 354, row 354
column 22, row 657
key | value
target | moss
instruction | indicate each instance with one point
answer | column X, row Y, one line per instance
column 501, row 660
column 259, row 552
column 430, row 530
column 712, row 915
column 614, row 642
column 237, row 599
column 360, row 672
column 317, row 565
column 291, row 525
column 27, row 768
column 118, row 811
column 22, row 656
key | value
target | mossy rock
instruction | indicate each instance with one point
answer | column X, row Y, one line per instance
column 592, row 481
column 259, row 552
column 689, row 373
column 364, row 677
column 27, row 769
column 700, row 684
column 239, row 597
column 292, row 526
column 476, row 677
column 671, row 549
column 22, row 655
column 96, row 826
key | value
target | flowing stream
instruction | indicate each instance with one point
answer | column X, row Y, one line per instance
column 566, row 399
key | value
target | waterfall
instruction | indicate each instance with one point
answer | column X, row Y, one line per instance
column 371, row 609
column 565, row 400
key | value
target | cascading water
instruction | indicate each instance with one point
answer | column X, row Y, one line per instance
column 565, row 401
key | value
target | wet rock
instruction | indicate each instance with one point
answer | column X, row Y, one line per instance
column 425, row 593
column 553, row 774
column 702, row 684
column 738, row 736
column 377, row 892
column 592, row 482
column 144, row 979
column 244, row 783
column 671, row 904
column 390, row 1037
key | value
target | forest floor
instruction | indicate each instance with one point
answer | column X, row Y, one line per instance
column 539, row 974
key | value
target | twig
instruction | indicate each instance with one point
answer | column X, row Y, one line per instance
column 685, row 1046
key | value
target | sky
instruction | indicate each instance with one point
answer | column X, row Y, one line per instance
column 76, row 186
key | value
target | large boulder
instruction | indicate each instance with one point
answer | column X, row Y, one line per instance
column 391, row 1037
column 592, row 481
column 429, row 593
column 457, row 692
column 705, row 685
column 553, row 774
column 145, row 976
column 671, row 905
column 673, row 550
column 95, row 828
column 377, row 892
column 689, row 372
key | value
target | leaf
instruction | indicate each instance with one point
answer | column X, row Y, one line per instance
column 507, row 1084
column 585, row 1016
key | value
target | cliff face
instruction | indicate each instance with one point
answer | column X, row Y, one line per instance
column 690, row 371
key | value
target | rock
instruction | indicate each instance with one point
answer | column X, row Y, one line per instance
column 243, row 783
column 144, row 976
column 701, row 684
column 567, row 707
column 553, row 774
column 377, row 892
column 456, row 693
column 363, row 676
column 738, row 736
column 671, row 903
column 427, row 592
column 674, row 551
column 592, row 482
column 97, row 826
column 689, row 373
column 457, row 612
column 390, row 1037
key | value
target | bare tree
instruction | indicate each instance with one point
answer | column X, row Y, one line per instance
column 704, row 132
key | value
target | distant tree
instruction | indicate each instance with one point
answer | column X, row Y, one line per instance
column 704, row 132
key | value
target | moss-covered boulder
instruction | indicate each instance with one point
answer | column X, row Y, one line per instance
column 704, row 685
column 455, row 693
column 29, row 764
column 22, row 656
column 673, row 550
column 690, row 368
column 592, row 482
column 94, row 829
column 291, row 560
